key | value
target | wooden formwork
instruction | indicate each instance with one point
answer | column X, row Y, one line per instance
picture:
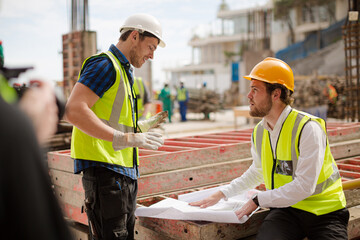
column 185, row 164
column 201, row 230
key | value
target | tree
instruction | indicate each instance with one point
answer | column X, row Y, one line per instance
column 282, row 12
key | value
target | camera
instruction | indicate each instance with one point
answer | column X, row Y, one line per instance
column 10, row 73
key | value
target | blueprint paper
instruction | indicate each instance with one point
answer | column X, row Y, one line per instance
column 223, row 211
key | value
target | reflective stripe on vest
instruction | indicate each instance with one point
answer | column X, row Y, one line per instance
column 115, row 109
column 284, row 169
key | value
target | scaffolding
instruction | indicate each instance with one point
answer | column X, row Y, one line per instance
column 351, row 36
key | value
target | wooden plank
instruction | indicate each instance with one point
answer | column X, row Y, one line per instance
column 349, row 167
column 66, row 195
column 196, row 230
column 192, row 177
column 201, row 230
column 349, row 174
column 352, row 197
column 143, row 233
column 66, row 180
column 345, row 149
column 186, row 159
column 225, row 137
column 354, row 223
column 79, row 231
column 74, row 213
column 343, row 133
column 60, row 160
column 168, row 148
column 187, row 144
column 205, row 140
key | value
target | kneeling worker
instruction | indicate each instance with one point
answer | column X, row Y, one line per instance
column 291, row 154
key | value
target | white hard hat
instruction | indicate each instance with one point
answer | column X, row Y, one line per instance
column 143, row 22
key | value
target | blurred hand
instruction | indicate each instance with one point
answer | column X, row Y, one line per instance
column 153, row 122
column 39, row 103
column 247, row 209
column 209, row 201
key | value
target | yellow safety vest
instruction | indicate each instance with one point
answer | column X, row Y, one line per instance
column 115, row 109
column 328, row 195
column 181, row 94
column 6, row 92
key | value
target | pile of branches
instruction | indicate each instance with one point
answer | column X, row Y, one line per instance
column 203, row 100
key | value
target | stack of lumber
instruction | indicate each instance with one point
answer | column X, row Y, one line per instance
column 61, row 139
column 203, row 100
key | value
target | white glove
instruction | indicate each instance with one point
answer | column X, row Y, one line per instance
column 153, row 122
column 148, row 140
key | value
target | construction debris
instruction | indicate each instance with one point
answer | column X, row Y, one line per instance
column 323, row 96
column 232, row 96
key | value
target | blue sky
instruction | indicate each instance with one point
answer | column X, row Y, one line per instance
column 31, row 30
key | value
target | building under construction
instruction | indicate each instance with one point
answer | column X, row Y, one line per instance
column 202, row 161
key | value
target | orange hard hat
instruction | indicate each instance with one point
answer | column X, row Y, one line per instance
column 273, row 70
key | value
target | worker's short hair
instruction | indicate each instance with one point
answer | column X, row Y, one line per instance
column 142, row 35
column 286, row 94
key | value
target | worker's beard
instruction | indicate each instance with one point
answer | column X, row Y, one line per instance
column 262, row 109
column 135, row 59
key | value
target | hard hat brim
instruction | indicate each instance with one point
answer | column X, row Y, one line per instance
column 161, row 42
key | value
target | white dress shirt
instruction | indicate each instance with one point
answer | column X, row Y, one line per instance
column 312, row 150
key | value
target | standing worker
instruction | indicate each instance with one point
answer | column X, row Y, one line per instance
column 182, row 98
column 106, row 133
column 143, row 99
column 165, row 97
column 291, row 154
column 204, row 102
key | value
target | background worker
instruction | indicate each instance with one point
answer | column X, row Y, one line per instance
column 106, row 132
column 182, row 98
column 203, row 100
column 291, row 154
column 165, row 97
column 143, row 98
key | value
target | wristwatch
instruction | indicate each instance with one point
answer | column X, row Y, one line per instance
column 255, row 199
